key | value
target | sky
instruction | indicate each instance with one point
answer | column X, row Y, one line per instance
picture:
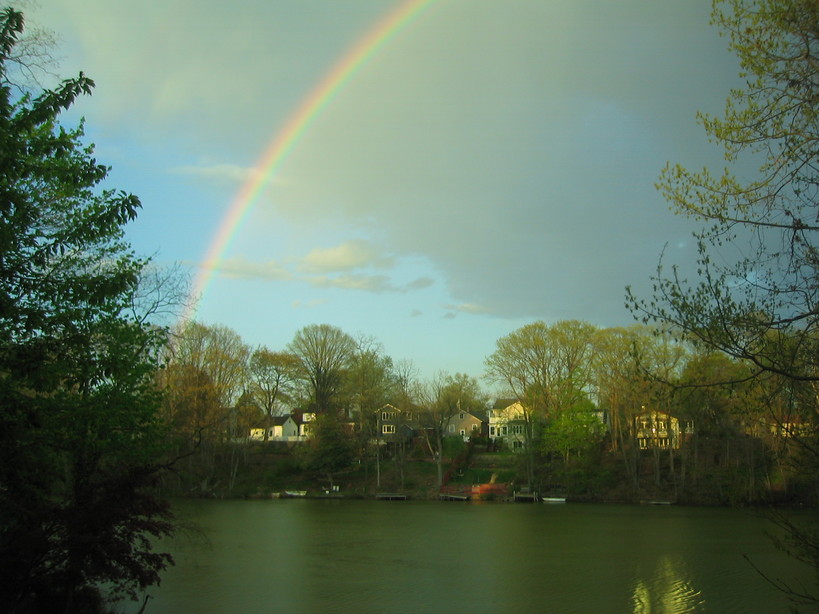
column 488, row 164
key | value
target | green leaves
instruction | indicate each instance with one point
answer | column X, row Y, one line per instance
column 79, row 432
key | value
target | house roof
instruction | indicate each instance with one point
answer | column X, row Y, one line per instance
column 503, row 403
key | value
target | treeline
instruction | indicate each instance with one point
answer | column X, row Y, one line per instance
column 581, row 387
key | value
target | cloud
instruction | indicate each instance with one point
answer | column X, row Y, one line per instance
column 220, row 172
column 369, row 283
column 415, row 313
column 527, row 182
column 468, row 308
column 419, row 284
column 450, row 316
column 240, row 268
column 348, row 256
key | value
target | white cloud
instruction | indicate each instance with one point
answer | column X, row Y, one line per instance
column 220, row 172
column 348, row 256
column 369, row 283
column 240, row 268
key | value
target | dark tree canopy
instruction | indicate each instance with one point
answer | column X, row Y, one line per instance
column 78, row 422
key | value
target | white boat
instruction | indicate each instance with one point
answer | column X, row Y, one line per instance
column 294, row 493
column 553, row 499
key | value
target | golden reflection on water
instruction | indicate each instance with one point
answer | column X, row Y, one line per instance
column 668, row 590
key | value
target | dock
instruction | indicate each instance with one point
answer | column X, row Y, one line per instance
column 525, row 497
column 390, row 496
column 452, row 497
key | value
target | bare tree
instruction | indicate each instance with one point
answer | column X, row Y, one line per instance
column 441, row 399
column 325, row 352
column 271, row 377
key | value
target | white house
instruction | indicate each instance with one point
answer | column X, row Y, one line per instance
column 507, row 422
column 283, row 428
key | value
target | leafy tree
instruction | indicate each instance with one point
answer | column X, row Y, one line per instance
column 752, row 306
column 757, row 288
column 574, row 430
column 546, row 369
column 79, row 429
column 329, row 448
column 325, row 352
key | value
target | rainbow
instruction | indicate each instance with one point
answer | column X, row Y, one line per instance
column 285, row 139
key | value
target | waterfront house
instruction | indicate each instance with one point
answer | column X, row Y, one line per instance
column 394, row 425
column 283, row 428
column 506, row 423
column 467, row 424
column 655, row 429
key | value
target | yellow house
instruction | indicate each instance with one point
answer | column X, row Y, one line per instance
column 656, row 429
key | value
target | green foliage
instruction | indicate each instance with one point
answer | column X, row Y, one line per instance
column 757, row 289
column 79, row 432
column 329, row 449
column 574, row 431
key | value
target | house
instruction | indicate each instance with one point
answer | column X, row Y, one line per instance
column 507, row 423
column 303, row 420
column 283, row 428
column 655, row 429
column 466, row 424
column 394, row 425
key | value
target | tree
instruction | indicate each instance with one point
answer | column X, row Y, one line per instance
column 546, row 369
column 325, row 353
column 205, row 377
column 271, row 379
column 441, row 400
column 756, row 297
column 79, row 428
column 329, row 448
column 752, row 306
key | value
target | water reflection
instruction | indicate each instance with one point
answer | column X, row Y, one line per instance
column 370, row 557
column 668, row 590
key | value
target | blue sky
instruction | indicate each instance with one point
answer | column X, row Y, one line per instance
column 493, row 164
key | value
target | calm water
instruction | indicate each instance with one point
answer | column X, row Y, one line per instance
column 295, row 556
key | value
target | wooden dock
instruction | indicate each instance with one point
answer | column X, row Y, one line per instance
column 390, row 496
column 452, row 497
column 525, row 497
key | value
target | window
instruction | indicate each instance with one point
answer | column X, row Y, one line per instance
column 388, row 429
column 387, row 415
column 517, row 429
column 504, row 430
column 463, row 433
column 492, row 431
column 474, row 427
column 461, row 416
column 451, row 428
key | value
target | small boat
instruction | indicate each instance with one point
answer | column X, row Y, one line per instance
column 655, row 502
column 553, row 499
column 294, row 494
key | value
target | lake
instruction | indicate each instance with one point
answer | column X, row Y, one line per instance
column 365, row 557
